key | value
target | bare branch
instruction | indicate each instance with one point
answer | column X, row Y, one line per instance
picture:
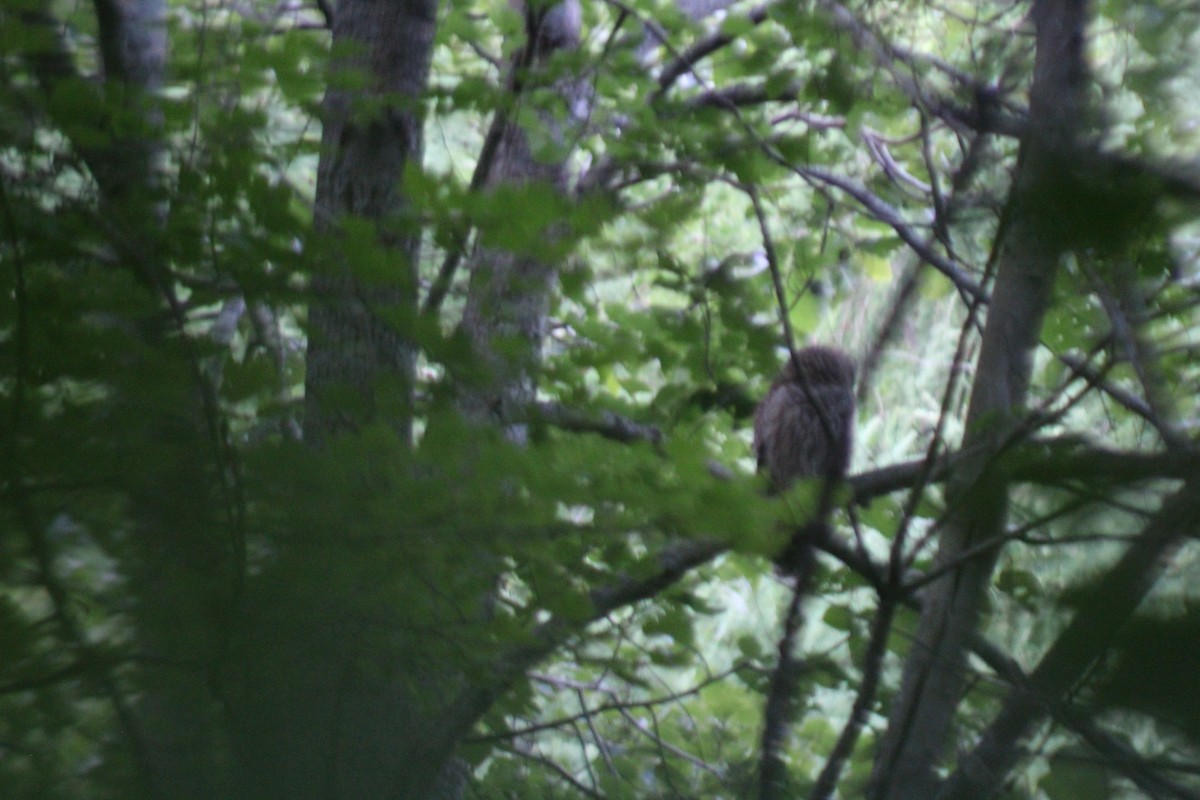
column 1119, row 756
column 614, row 705
column 609, row 425
column 990, row 113
column 664, row 745
column 744, row 94
column 687, row 60
column 560, row 771
column 886, row 213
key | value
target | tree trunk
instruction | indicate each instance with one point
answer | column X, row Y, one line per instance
column 1029, row 249
column 509, row 294
column 360, row 360
column 183, row 562
column 323, row 710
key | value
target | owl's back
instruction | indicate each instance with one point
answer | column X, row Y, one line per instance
column 803, row 428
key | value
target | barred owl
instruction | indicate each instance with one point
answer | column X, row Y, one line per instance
column 803, row 428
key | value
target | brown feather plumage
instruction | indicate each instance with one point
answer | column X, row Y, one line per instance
column 803, row 428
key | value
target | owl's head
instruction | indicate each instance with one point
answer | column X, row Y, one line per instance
column 819, row 366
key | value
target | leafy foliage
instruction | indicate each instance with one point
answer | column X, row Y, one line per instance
column 162, row 523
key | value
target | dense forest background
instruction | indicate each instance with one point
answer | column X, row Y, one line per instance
column 376, row 384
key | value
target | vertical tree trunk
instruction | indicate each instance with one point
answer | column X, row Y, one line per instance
column 186, row 561
column 183, row 565
column 359, row 361
column 1029, row 249
column 509, row 294
column 317, row 716
column 182, row 568
column 133, row 50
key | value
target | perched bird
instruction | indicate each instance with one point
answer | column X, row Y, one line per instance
column 804, row 426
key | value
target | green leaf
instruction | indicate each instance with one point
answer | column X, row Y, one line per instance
column 839, row 618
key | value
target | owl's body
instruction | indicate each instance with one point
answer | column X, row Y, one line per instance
column 803, row 428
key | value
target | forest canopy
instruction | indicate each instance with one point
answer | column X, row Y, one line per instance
column 378, row 383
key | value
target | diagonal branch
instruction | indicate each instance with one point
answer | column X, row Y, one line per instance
column 1110, row 603
column 701, row 49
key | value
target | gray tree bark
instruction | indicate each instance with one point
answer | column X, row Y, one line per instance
column 316, row 714
column 360, row 359
column 182, row 571
column 1029, row 249
column 328, row 727
column 509, row 294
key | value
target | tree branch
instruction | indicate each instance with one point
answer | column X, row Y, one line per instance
column 889, row 215
column 608, row 424
column 781, row 693
column 687, row 60
column 1110, row 603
